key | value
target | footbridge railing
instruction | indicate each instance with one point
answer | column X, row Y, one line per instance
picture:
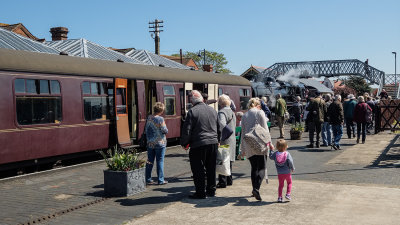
column 329, row 68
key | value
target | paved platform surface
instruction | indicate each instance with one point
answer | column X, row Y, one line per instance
column 312, row 203
column 327, row 182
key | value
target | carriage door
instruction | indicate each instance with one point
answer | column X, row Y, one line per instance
column 213, row 94
column 169, row 94
column 141, row 107
column 121, row 112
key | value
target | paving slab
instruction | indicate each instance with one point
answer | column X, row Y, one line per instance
column 312, row 203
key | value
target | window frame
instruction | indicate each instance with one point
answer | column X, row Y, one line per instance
column 98, row 94
column 26, row 94
column 169, row 96
column 246, row 94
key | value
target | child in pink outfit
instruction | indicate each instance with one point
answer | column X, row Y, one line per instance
column 284, row 166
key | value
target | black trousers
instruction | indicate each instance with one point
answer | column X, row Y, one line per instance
column 314, row 127
column 350, row 127
column 202, row 162
column 225, row 180
column 257, row 171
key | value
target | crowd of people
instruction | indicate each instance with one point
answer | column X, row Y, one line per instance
column 204, row 127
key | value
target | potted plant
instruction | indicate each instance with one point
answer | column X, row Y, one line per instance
column 296, row 131
column 125, row 175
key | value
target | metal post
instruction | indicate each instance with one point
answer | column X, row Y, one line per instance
column 204, row 55
column 395, row 74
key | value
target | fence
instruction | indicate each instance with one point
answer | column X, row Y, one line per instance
column 387, row 115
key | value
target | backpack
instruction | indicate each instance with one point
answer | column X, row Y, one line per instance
column 368, row 114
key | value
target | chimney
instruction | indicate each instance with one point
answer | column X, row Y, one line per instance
column 208, row 68
column 59, row 33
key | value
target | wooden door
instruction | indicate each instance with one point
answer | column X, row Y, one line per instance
column 141, row 107
column 121, row 109
column 169, row 94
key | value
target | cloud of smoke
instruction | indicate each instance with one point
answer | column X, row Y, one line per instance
column 290, row 75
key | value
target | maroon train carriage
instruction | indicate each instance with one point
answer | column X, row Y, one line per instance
column 53, row 105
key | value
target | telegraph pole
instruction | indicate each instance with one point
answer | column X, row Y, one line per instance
column 155, row 26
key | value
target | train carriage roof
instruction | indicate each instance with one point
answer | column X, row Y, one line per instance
column 14, row 60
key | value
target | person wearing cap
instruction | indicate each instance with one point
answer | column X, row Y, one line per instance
column 317, row 110
column 348, row 109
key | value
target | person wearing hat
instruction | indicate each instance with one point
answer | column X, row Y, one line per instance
column 317, row 110
column 348, row 109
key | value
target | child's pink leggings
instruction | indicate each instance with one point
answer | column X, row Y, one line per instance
column 282, row 178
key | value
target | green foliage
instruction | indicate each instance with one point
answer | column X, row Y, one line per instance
column 120, row 160
column 298, row 127
column 358, row 84
column 218, row 60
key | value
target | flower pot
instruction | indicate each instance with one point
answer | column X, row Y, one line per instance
column 124, row 183
column 295, row 135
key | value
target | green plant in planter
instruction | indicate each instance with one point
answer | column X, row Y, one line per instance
column 122, row 160
column 297, row 128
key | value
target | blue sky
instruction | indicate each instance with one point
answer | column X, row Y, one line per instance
column 248, row 32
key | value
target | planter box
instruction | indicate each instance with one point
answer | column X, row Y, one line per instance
column 124, row 183
column 295, row 135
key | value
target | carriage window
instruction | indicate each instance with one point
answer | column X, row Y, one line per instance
column 86, row 87
column 169, row 99
column 19, row 86
column 44, row 87
column 244, row 98
column 220, row 91
column 35, row 103
column 97, row 105
column 31, row 87
column 55, row 87
column 169, row 105
column 169, row 90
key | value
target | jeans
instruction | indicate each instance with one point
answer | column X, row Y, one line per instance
column 361, row 128
column 337, row 131
column 157, row 153
column 351, row 128
column 326, row 134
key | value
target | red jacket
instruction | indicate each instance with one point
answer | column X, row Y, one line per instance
column 360, row 112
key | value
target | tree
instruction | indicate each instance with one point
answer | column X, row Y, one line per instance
column 358, row 84
column 216, row 59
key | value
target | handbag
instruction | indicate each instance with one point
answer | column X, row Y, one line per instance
column 227, row 130
column 143, row 139
column 258, row 138
column 223, row 161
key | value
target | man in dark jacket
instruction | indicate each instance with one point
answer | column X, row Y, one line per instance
column 317, row 110
column 348, row 109
column 336, row 118
column 200, row 132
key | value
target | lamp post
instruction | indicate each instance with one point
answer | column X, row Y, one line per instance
column 395, row 72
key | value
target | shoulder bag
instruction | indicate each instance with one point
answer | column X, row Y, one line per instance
column 258, row 137
column 143, row 139
column 227, row 130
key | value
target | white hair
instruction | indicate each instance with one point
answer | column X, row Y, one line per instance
column 196, row 97
column 224, row 101
column 338, row 97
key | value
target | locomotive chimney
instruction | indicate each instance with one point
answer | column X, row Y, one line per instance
column 208, row 68
column 59, row 33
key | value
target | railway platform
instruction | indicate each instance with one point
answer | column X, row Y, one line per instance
column 343, row 185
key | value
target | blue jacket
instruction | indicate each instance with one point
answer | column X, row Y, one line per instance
column 286, row 165
column 266, row 110
column 348, row 109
